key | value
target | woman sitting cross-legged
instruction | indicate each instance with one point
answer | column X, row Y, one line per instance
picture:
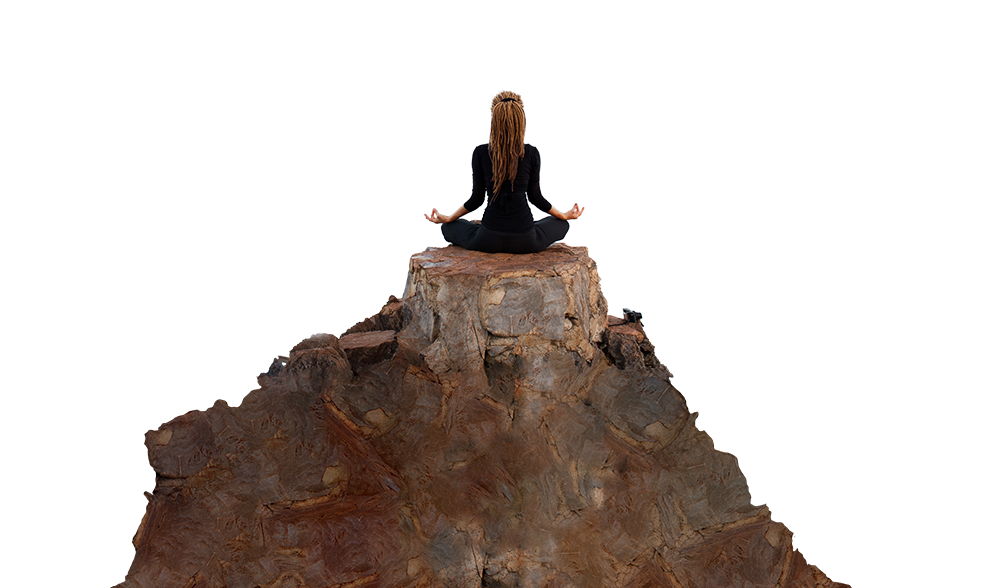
column 506, row 170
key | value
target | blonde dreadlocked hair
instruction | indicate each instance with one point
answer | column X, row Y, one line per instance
column 506, row 138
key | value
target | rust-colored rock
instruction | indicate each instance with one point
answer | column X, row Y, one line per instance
column 367, row 347
column 628, row 346
column 493, row 428
column 392, row 317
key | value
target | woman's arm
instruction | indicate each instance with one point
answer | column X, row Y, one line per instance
column 536, row 198
column 479, row 155
column 474, row 201
column 534, row 190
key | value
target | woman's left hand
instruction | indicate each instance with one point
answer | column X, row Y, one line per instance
column 437, row 217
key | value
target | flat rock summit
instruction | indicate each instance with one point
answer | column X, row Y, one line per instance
column 494, row 427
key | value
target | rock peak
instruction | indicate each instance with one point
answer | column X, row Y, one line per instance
column 492, row 428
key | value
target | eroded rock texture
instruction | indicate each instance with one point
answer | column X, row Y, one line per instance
column 490, row 429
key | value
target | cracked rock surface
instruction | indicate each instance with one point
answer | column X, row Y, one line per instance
column 493, row 428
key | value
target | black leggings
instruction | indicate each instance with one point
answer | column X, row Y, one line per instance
column 478, row 238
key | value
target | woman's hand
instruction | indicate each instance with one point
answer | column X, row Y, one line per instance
column 570, row 214
column 437, row 217
column 575, row 212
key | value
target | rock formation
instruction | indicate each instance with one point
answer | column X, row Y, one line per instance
column 493, row 428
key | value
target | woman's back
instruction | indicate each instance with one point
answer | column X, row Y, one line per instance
column 527, row 171
column 507, row 211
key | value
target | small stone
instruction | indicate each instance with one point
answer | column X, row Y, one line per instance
column 162, row 437
column 333, row 474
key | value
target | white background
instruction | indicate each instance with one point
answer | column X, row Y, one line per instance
column 921, row 237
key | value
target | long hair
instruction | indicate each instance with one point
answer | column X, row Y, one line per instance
column 506, row 138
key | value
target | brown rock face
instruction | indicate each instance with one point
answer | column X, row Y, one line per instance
column 490, row 429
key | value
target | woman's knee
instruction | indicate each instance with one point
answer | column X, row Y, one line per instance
column 446, row 233
column 460, row 232
column 452, row 231
column 556, row 228
column 563, row 226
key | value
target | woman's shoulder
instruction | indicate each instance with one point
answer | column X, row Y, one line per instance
column 481, row 152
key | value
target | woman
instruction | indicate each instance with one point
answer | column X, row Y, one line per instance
column 506, row 170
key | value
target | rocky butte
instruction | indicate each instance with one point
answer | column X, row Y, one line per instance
column 495, row 427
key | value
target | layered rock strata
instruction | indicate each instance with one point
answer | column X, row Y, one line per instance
column 492, row 428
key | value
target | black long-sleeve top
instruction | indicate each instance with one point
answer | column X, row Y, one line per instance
column 508, row 212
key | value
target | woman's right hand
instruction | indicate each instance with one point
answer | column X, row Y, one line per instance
column 574, row 212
